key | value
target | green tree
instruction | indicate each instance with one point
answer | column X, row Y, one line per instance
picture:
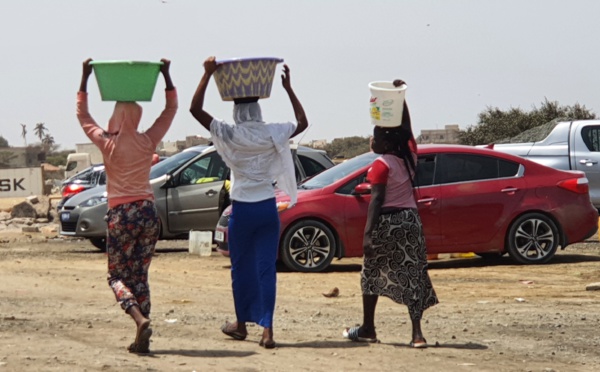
column 3, row 142
column 40, row 130
column 347, row 147
column 58, row 158
column 496, row 125
column 48, row 141
column 24, row 133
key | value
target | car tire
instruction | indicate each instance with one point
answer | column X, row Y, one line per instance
column 532, row 238
column 99, row 243
column 308, row 246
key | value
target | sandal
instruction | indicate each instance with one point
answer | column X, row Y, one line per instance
column 352, row 335
column 267, row 344
column 228, row 329
column 419, row 344
column 142, row 342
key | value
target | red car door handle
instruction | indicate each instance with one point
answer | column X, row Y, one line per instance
column 426, row 201
column 510, row 190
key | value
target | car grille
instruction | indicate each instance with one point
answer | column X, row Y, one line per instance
column 68, row 226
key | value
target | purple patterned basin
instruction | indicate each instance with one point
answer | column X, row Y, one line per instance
column 246, row 77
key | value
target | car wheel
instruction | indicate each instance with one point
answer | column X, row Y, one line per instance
column 99, row 243
column 532, row 239
column 308, row 246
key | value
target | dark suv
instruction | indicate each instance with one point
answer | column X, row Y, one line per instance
column 86, row 179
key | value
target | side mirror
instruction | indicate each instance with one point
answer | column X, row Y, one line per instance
column 362, row 189
column 169, row 183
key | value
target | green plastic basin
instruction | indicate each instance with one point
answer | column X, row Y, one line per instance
column 126, row 80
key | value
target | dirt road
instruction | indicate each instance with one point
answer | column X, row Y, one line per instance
column 58, row 314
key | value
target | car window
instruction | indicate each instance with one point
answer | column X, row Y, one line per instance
column 329, row 176
column 102, row 178
column 310, row 166
column 425, row 170
column 298, row 172
column 469, row 167
column 507, row 168
column 349, row 187
column 172, row 162
column 591, row 137
column 72, row 165
column 207, row 168
column 85, row 175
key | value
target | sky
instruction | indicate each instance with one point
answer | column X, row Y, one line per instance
column 458, row 57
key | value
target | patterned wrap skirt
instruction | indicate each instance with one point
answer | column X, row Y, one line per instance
column 398, row 268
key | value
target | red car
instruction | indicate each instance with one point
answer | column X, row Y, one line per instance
column 470, row 200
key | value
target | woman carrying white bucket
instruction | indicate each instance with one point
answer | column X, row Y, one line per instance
column 396, row 270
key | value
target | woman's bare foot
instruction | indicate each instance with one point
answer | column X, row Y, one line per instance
column 143, row 331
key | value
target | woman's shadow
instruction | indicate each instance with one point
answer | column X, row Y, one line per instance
column 203, row 353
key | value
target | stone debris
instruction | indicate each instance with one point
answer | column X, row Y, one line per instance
column 593, row 287
column 23, row 209
column 30, row 229
column 33, row 199
column 34, row 214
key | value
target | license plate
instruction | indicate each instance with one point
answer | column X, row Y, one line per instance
column 219, row 236
column 65, row 216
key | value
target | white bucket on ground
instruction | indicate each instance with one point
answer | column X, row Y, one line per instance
column 200, row 242
column 387, row 103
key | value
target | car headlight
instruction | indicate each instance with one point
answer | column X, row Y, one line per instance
column 94, row 201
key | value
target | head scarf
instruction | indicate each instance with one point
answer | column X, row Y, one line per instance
column 245, row 112
column 126, row 115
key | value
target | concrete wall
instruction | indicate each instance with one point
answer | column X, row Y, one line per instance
column 16, row 182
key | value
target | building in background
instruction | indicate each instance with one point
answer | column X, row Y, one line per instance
column 447, row 135
column 21, row 157
column 168, row 148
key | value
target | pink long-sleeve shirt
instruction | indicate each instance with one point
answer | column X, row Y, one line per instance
column 128, row 154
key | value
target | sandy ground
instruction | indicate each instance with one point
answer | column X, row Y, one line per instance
column 58, row 314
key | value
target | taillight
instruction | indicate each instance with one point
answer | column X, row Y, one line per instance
column 577, row 185
column 71, row 190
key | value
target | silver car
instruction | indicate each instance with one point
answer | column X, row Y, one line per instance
column 188, row 190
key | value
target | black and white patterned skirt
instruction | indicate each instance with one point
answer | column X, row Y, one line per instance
column 398, row 269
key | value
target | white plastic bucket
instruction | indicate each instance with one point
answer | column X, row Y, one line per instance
column 200, row 243
column 387, row 103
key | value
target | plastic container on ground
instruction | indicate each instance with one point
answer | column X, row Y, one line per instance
column 126, row 81
column 200, row 243
column 245, row 77
column 386, row 103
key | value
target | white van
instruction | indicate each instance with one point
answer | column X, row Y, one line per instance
column 77, row 162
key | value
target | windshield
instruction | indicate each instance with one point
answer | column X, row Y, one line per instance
column 172, row 162
column 329, row 176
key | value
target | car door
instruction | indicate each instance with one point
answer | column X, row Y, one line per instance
column 426, row 195
column 193, row 203
column 428, row 199
column 586, row 155
column 478, row 195
column 354, row 214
